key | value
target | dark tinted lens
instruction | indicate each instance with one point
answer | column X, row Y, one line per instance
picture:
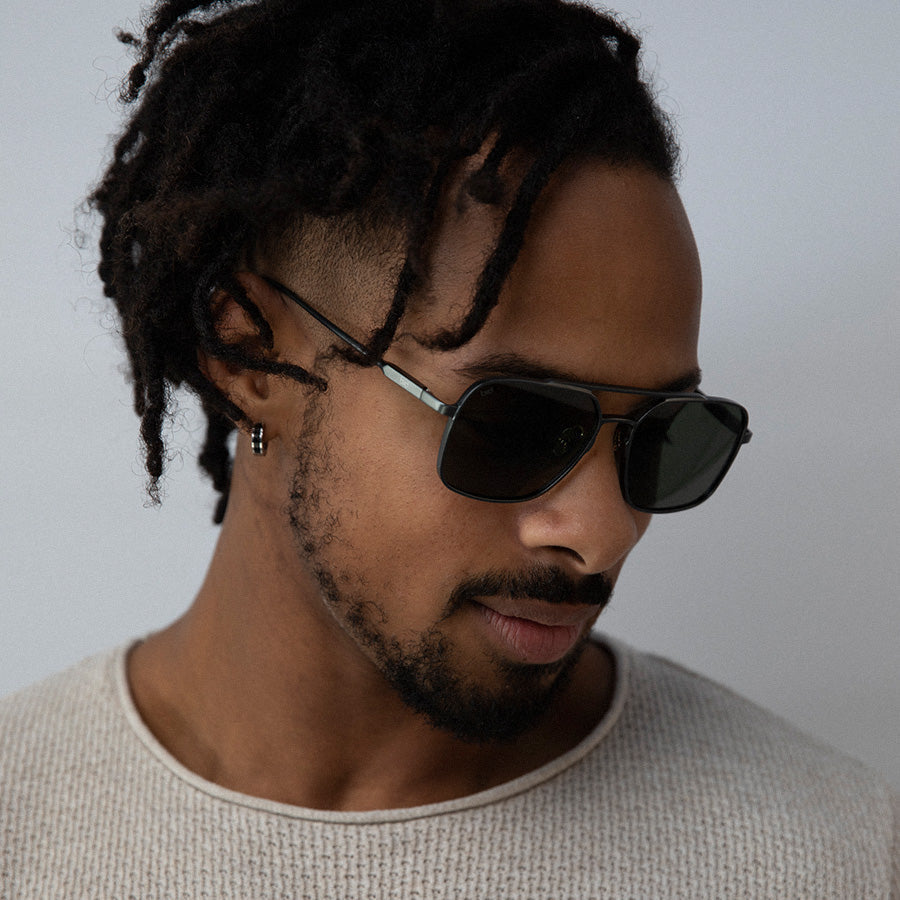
column 511, row 439
column 680, row 450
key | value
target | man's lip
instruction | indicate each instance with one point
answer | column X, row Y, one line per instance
column 554, row 614
column 534, row 632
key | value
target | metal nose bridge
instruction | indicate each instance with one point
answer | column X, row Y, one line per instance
column 618, row 437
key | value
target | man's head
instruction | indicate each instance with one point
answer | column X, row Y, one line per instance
column 468, row 190
column 260, row 120
column 440, row 590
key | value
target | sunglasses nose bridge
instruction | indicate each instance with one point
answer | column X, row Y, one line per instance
column 619, row 440
column 589, row 444
column 599, row 421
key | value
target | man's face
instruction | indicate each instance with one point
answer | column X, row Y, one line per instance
column 475, row 612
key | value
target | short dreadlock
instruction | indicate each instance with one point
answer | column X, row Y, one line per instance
column 252, row 114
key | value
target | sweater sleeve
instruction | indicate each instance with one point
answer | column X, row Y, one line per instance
column 895, row 862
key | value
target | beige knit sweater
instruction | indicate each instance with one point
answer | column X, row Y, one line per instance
column 683, row 791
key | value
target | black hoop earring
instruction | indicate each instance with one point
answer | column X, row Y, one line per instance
column 257, row 443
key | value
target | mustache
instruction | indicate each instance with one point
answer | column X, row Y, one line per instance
column 546, row 583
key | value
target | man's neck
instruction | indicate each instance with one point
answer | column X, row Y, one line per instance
column 252, row 691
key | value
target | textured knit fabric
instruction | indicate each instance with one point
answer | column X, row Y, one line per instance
column 683, row 791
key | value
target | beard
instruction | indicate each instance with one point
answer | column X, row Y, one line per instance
column 426, row 672
column 429, row 678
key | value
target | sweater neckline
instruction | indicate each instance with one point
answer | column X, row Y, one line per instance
column 621, row 662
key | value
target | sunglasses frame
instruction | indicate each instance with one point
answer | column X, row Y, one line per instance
column 418, row 390
column 622, row 447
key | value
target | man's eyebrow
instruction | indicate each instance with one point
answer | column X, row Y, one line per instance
column 511, row 365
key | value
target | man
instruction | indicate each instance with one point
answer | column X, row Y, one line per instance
column 386, row 685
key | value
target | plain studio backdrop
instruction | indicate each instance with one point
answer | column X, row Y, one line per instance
column 784, row 586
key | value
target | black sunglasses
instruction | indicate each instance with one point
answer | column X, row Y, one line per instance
column 512, row 439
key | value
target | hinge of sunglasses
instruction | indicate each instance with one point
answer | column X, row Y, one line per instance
column 747, row 435
column 416, row 388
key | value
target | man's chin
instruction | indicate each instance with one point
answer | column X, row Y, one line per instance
column 494, row 700
column 473, row 712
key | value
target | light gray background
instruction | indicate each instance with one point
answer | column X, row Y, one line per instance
column 784, row 586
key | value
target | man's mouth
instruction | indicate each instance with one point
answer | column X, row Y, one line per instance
column 534, row 632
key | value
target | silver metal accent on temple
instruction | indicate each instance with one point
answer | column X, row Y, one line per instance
column 417, row 389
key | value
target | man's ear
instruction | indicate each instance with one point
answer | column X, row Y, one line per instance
column 262, row 394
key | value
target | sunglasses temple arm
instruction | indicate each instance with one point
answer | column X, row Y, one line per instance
column 416, row 388
column 395, row 374
column 321, row 319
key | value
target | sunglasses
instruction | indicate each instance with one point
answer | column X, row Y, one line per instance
column 508, row 440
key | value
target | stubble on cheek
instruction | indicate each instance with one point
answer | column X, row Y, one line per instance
column 474, row 695
column 313, row 520
column 492, row 703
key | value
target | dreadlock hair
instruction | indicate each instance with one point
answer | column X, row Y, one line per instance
column 252, row 114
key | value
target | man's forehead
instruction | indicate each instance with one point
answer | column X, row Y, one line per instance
column 607, row 271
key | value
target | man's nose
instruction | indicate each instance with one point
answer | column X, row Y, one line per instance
column 584, row 522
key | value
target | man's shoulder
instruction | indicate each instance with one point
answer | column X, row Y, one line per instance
column 62, row 715
column 701, row 723
column 68, row 764
column 702, row 767
column 86, row 680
